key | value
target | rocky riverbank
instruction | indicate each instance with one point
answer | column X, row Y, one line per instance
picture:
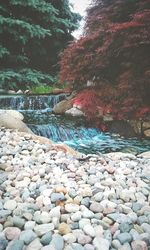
column 52, row 199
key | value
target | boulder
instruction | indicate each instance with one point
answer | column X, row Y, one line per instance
column 122, row 128
column 20, row 92
column 146, row 128
column 141, row 127
column 13, row 113
column 11, row 92
column 62, row 107
column 74, row 112
column 13, row 120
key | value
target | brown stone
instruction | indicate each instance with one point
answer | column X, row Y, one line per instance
column 64, row 228
column 62, row 107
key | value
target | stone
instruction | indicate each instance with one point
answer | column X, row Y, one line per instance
column 76, row 246
column 42, row 217
column 75, row 112
column 62, row 107
column 55, row 212
column 35, row 244
column 124, row 237
column 96, row 207
column 64, row 229
column 15, row 245
column 89, row 247
column 13, row 113
column 42, row 229
column 57, row 241
column 12, row 233
column 46, row 238
column 27, row 236
column 89, row 230
column 69, row 238
column 29, row 225
column 101, row 243
column 57, row 197
column 76, row 216
column 3, row 243
column 72, row 208
column 10, row 205
column 146, row 227
column 125, row 227
column 11, row 122
column 18, row 222
column 84, row 239
column 139, row 245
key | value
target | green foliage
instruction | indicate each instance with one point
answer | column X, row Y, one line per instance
column 42, row 89
column 33, row 33
column 24, row 78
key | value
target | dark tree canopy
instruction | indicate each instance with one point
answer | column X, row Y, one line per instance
column 33, row 33
column 114, row 53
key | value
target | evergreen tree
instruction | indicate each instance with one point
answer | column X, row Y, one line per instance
column 33, row 33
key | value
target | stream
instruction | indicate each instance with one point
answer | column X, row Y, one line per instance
column 37, row 111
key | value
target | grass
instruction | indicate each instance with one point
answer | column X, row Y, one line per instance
column 42, row 89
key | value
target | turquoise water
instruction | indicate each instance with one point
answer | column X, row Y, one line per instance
column 37, row 111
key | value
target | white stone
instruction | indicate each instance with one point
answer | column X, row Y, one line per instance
column 89, row 230
column 10, row 205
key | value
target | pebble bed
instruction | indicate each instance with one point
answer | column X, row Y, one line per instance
column 51, row 200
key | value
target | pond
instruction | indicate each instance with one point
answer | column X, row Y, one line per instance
column 38, row 115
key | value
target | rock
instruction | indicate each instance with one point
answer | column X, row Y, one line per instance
column 74, row 112
column 10, row 91
column 19, row 92
column 139, row 245
column 76, row 246
column 42, row 217
column 84, row 239
column 35, row 244
column 69, row 238
column 11, row 122
column 57, row 242
column 27, row 236
column 64, row 229
column 146, row 227
column 55, row 212
column 42, row 229
column 101, row 243
column 46, row 238
column 145, row 155
column 71, row 208
column 12, row 233
column 89, row 230
column 96, row 207
column 125, row 227
column 89, row 247
column 15, row 245
column 18, row 222
column 122, row 128
column 124, row 237
column 62, row 107
column 10, row 205
column 57, row 197
column 76, row 216
column 13, row 113
column 3, row 243
column 29, row 225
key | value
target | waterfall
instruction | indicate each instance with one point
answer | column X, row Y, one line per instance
column 37, row 111
column 30, row 102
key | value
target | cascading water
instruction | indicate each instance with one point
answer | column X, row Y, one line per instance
column 37, row 111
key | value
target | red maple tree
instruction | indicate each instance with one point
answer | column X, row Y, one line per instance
column 114, row 53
